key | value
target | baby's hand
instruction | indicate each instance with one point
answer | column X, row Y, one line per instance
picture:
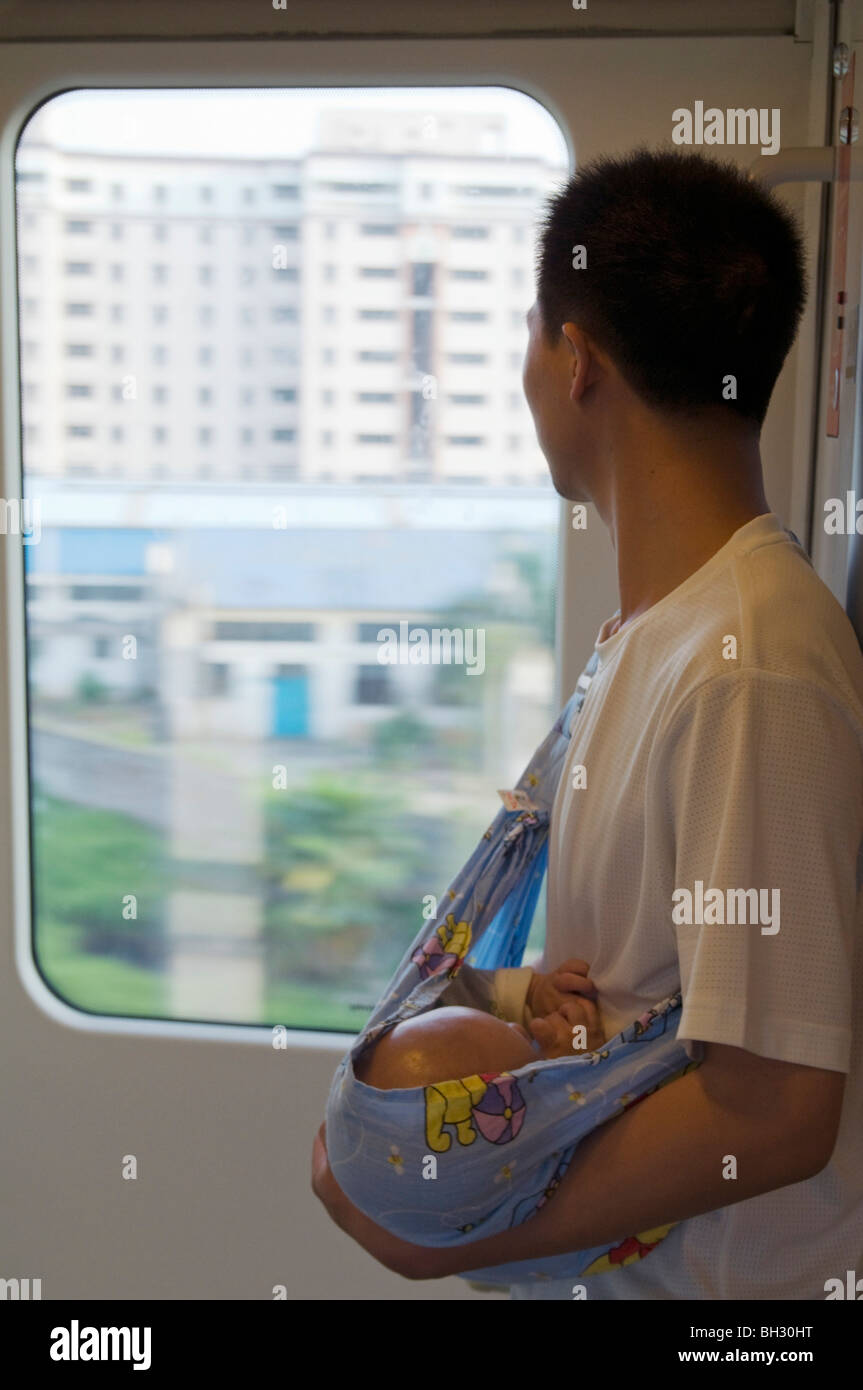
column 574, row 1027
column 546, row 993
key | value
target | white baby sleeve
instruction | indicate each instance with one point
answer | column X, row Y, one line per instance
column 502, row 992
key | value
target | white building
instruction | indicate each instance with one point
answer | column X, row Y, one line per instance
column 352, row 316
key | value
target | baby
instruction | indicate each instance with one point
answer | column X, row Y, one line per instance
column 453, row 1041
column 453, row 1086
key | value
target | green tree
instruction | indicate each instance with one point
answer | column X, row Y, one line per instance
column 401, row 739
column 346, row 869
column 90, row 690
column 86, row 862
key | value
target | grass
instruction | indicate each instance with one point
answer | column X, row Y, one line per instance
column 83, row 857
column 97, row 984
column 299, row 1005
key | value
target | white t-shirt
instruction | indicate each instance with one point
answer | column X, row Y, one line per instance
column 739, row 764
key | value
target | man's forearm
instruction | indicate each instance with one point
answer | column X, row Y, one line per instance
column 664, row 1159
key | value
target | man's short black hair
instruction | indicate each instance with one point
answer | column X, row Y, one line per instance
column 693, row 273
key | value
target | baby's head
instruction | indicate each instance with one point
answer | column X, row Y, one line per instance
column 444, row 1044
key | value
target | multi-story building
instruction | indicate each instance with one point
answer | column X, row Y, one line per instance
column 157, row 341
column 354, row 315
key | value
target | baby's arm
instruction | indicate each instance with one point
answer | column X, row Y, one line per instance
column 519, row 994
column 523, row 995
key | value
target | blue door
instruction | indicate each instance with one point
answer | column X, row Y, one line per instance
column 291, row 705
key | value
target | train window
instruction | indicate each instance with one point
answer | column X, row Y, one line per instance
column 272, row 690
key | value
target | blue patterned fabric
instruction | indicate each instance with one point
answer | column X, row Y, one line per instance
column 470, row 1157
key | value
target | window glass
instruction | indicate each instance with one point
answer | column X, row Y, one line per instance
column 290, row 614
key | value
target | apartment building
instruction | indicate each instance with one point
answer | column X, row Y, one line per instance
column 351, row 316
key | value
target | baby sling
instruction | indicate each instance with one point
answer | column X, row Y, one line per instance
column 468, row 1158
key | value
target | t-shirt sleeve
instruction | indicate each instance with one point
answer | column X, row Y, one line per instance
column 763, row 787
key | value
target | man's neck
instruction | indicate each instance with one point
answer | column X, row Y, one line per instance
column 672, row 502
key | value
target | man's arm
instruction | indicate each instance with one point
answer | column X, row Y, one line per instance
column 660, row 1161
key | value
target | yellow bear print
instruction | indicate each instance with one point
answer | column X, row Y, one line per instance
column 451, row 1103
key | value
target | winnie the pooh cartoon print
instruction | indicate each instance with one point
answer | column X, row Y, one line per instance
column 444, row 950
column 491, row 1101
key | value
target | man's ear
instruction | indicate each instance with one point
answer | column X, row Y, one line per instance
column 583, row 364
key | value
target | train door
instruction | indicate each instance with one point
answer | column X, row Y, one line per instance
column 218, row 1121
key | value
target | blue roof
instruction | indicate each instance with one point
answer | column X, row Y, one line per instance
column 317, row 569
column 362, row 569
column 91, row 550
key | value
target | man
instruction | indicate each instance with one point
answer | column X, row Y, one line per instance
column 722, row 745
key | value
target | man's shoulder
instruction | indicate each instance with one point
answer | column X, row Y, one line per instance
column 764, row 619
column 789, row 625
